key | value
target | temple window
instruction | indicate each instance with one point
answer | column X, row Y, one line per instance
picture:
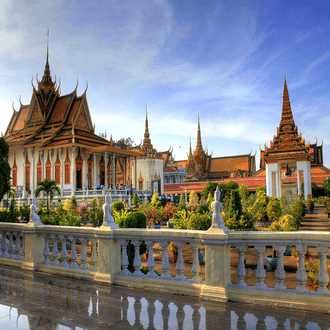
column 48, row 168
column 39, row 170
column 14, row 177
column 67, row 165
column 58, row 169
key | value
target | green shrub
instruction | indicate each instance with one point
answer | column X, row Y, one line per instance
column 117, row 206
column 182, row 199
column 199, row 222
column 259, row 208
column 24, row 212
column 120, row 217
column 297, row 210
column 244, row 222
column 285, row 223
column 136, row 200
column 135, row 220
column 182, row 206
column 310, row 205
column 284, row 205
column 274, row 210
column 202, row 209
column 7, row 216
column 235, row 206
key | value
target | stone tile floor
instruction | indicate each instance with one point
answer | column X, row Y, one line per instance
column 39, row 301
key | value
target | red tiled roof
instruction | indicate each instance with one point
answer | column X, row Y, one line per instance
column 169, row 169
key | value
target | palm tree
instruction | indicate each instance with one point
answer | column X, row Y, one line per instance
column 49, row 187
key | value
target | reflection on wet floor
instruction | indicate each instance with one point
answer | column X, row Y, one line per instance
column 39, row 301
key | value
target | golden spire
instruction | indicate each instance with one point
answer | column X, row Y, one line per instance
column 146, row 132
column 286, row 117
column 47, row 81
column 190, row 152
column 199, row 147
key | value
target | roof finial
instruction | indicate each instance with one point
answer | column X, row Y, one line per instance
column 47, row 45
column 199, row 147
column 284, row 74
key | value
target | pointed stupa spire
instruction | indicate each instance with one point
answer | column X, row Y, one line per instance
column 47, row 82
column 146, row 132
column 190, row 151
column 286, row 117
column 199, row 147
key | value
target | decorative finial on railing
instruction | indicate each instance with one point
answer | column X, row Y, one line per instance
column 216, row 208
column 108, row 220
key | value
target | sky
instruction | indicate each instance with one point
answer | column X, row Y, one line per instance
column 223, row 60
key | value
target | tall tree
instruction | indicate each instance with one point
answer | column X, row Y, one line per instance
column 4, row 168
column 125, row 142
column 49, row 187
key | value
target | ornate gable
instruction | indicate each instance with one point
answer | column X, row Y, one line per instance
column 36, row 114
column 81, row 119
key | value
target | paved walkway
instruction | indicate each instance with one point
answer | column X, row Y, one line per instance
column 317, row 221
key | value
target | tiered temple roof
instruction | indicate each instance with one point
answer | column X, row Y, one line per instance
column 52, row 120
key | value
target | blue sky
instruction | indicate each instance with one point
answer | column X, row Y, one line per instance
column 222, row 59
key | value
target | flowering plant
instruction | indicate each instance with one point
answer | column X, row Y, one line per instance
column 154, row 215
column 169, row 210
column 83, row 212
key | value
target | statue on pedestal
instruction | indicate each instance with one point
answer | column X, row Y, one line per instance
column 34, row 217
column 108, row 220
column 216, row 208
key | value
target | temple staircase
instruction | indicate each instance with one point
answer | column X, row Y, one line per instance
column 317, row 221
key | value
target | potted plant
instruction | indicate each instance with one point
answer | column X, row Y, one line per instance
column 200, row 257
column 310, row 205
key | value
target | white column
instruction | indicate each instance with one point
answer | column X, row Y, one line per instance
column 52, row 162
column 42, row 165
column 305, row 167
column 24, row 174
column 270, row 169
column 124, row 171
column 73, row 171
column 114, row 171
column 130, row 171
column 62, row 169
column 84, row 173
column 105, row 170
column 94, row 174
column 135, row 174
column 32, row 175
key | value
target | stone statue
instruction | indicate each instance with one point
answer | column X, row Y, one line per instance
column 216, row 208
column 34, row 218
column 108, row 220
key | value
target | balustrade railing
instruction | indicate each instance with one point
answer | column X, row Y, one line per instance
column 101, row 254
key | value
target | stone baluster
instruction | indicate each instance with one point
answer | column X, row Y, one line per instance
column 11, row 248
column 124, row 308
column 137, row 307
column 260, row 322
column 62, row 295
column 165, row 262
column 323, row 276
column 73, row 255
column 280, row 272
column 180, row 262
column 180, row 315
column 46, row 253
column 55, row 262
column 196, row 317
column 260, row 271
column 4, row 253
column 151, row 310
column 64, row 253
column 165, row 313
column 241, row 272
column 124, row 258
column 241, row 323
column 151, row 261
column 137, row 259
column 18, row 250
column 94, row 267
column 83, row 255
column 301, row 272
column 195, row 266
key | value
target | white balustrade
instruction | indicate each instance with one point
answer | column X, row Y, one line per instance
column 301, row 272
column 151, row 260
column 137, row 259
column 55, row 261
column 180, row 263
column 46, row 250
column 195, row 266
column 323, row 276
column 124, row 258
column 241, row 272
column 165, row 262
column 73, row 255
column 280, row 272
column 260, row 272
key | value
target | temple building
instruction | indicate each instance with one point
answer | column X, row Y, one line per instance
column 289, row 162
column 201, row 167
column 53, row 138
column 148, row 170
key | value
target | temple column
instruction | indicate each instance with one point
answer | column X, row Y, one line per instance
column 62, row 170
column 305, row 167
column 135, row 173
column 94, row 174
column 24, row 174
column 106, row 171
column 42, row 165
column 73, row 171
column 124, row 171
column 114, row 171
column 130, row 171
column 272, row 180
column 84, row 173
column 52, row 161
column 33, row 171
